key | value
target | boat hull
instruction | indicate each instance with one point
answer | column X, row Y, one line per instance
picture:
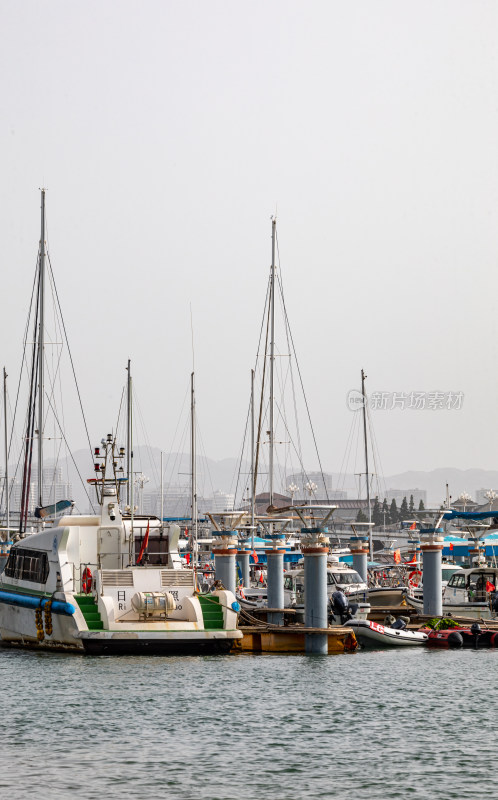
column 109, row 644
column 462, row 637
column 371, row 634
column 470, row 610
column 61, row 626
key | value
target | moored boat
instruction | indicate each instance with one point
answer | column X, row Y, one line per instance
column 80, row 586
column 468, row 593
column 372, row 634
column 462, row 636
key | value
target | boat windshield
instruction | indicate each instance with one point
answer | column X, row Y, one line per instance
column 347, row 577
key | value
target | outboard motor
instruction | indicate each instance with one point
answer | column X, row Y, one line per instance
column 399, row 625
column 340, row 606
column 476, row 632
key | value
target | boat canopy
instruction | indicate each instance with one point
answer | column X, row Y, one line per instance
column 452, row 514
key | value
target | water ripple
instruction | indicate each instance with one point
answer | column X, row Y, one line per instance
column 397, row 724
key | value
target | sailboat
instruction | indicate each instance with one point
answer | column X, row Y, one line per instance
column 80, row 586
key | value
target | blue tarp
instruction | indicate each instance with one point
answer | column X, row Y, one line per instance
column 452, row 514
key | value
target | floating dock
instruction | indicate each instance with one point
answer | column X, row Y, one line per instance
column 291, row 639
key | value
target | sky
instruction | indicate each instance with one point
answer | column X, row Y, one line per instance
column 168, row 133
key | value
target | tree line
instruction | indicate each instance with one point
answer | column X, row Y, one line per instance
column 385, row 514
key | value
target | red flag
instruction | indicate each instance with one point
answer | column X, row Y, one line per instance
column 255, row 556
column 261, row 580
column 451, row 545
column 187, row 558
column 144, row 543
column 413, row 526
column 490, row 587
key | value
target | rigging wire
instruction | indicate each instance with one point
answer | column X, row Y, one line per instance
column 70, row 356
column 72, row 457
column 304, row 393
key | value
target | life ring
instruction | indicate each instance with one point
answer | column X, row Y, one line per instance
column 415, row 578
column 86, row 581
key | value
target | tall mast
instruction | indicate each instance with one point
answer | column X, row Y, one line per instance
column 162, row 490
column 130, row 464
column 253, row 487
column 367, row 475
column 272, row 350
column 193, row 471
column 128, row 433
column 7, row 498
column 41, row 349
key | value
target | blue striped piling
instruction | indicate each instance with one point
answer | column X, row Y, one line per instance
column 224, row 551
column 359, row 546
column 315, row 547
column 431, row 546
column 243, row 557
column 275, row 579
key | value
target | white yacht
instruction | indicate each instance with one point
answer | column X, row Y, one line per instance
column 80, row 586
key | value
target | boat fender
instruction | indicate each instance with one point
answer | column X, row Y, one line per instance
column 48, row 617
column 455, row 639
column 40, row 634
column 235, row 607
column 494, row 640
column 86, row 581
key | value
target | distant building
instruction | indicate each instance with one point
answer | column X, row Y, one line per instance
column 55, row 488
column 218, row 502
column 176, row 501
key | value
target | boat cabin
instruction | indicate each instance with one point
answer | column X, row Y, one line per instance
column 339, row 577
column 477, row 585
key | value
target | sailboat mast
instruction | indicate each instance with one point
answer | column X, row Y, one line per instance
column 367, row 475
column 130, row 465
column 253, row 487
column 41, row 348
column 162, row 490
column 128, row 433
column 7, row 498
column 272, row 351
column 193, row 471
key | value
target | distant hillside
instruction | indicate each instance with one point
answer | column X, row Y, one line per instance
column 222, row 475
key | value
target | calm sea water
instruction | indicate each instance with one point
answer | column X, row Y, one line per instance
column 393, row 724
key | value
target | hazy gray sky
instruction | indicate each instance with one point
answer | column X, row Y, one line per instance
column 166, row 134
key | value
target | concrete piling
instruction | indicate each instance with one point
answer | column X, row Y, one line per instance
column 431, row 546
column 315, row 547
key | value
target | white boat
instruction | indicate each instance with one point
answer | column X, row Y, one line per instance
column 371, row 634
column 340, row 577
column 464, row 592
column 78, row 587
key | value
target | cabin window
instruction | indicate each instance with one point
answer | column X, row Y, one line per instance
column 27, row 565
column 288, row 583
column 458, row 581
column 347, row 577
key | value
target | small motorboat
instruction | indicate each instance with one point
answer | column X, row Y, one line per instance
column 372, row 634
column 459, row 636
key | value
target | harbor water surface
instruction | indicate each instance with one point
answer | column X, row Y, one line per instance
column 397, row 724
